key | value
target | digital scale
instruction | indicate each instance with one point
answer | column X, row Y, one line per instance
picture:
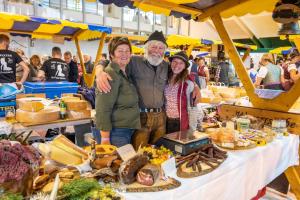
column 184, row 142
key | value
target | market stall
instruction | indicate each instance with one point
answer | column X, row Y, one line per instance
column 232, row 160
column 216, row 10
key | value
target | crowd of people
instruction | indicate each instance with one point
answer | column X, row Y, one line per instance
column 141, row 98
column 16, row 67
column 277, row 75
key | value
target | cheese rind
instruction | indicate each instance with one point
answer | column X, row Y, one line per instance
column 50, row 113
column 76, row 105
column 82, row 114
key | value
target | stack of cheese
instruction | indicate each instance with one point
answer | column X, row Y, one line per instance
column 36, row 110
column 63, row 151
column 76, row 108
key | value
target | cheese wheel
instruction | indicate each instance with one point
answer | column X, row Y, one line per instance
column 82, row 114
column 70, row 98
column 50, row 113
column 76, row 105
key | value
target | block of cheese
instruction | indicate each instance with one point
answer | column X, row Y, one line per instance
column 31, row 106
column 49, row 113
column 76, row 105
column 62, row 142
column 82, row 114
column 70, row 98
column 59, row 155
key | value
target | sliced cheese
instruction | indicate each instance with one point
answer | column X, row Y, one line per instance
column 76, row 105
column 82, row 114
column 50, row 113
column 64, row 143
column 31, row 106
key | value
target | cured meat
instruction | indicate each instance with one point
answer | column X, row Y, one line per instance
column 129, row 169
column 148, row 174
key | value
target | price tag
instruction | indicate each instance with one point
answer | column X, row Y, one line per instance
column 169, row 167
column 126, row 152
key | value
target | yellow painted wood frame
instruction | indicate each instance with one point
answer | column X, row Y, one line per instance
column 90, row 78
column 283, row 102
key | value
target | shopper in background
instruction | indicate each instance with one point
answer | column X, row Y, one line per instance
column 55, row 68
column 294, row 66
column 35, row 74
column 203, row 73
column 269, row 75
column 73, row 68
column 8, row 63
column 222, row 72
column 89, row 66
column 251, row 71
column 104, row 61
column 117, row 112
column 19, row 70
column 178, row 94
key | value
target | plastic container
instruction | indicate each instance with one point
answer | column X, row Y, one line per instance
column 51, row 89
column 5, row 105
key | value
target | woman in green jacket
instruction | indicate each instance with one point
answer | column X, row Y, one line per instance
column 117, row 112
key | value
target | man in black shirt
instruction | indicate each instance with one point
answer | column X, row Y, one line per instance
column 8, row 62
column 55, row 68
column 73, row 73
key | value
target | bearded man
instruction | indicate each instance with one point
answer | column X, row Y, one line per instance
column 149, row 75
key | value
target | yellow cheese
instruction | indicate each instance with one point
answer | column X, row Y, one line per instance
column 76, row 105
column 31, row 106
column 64, row 143
column 50, row 113
column 82, row 114
column 70, row 98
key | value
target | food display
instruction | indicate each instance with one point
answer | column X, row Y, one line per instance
column 18, row 166
column 63, row 151
column 102, row 149
column 156, row 155
column 230, row 139
column 204, row 160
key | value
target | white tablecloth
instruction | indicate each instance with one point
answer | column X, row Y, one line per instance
column 238, row 178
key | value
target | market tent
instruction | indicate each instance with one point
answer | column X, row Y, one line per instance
column 56, row 30
column 197, row 9
column 43, row 28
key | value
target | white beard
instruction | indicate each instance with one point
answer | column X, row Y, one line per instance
column 154, row 60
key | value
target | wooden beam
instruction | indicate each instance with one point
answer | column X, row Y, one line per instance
column 86, row 77
column 234, row 56
column 247, row 53
column 171, row 6
column 297, row 43
column 293, row 176
column 100, row 47
column 218, row 8
column 189, row 50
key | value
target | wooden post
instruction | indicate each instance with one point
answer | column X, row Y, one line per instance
column 247, row 53
column 100, row 47
column 234, row 56
column 190, row 49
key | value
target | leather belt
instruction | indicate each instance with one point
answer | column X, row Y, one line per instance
column 155, row 110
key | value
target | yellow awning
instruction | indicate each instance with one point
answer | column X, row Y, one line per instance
column 177, row 40
column 280, row 49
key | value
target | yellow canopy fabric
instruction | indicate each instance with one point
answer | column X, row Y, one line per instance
column 42, row 28
column 248, row 7
column 280, row 49
column 246, row 46
column 177, row 40
column 137, row 50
